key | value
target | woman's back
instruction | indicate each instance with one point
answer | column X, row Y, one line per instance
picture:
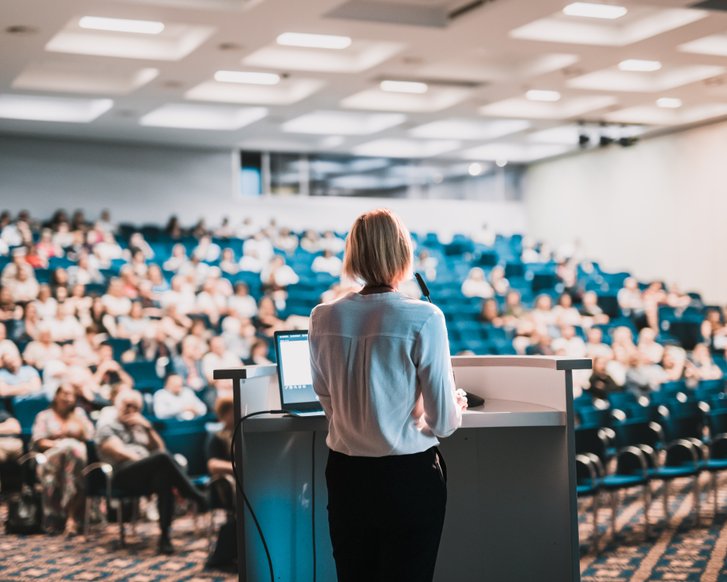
column 373, row 356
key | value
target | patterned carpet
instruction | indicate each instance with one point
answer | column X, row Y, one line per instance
column 677, row 550
column 48, row 558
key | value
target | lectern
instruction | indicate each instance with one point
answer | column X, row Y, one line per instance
column 511, row 509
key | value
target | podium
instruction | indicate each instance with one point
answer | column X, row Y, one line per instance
column 511, row 508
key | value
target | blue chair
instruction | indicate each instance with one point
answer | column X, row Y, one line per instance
column 632, row 470
column 684, row 458
column 25, row 409
column 717, row 423
column 588, row 485
column 716, row 463
column 144, row 374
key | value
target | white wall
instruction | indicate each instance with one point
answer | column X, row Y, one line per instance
column 138, row 183
column 143, row 184
column 658, row 209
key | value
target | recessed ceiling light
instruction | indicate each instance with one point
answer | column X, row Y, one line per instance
column 204, row 117
column 542, row 95
column 501, row 163
column 248, row 77
column 306, row 40
column 639, row 65
column 60, row 109
column 403, row 87
column 475, row 169
column 121, row 25
column 669, row 102
column 591, row 10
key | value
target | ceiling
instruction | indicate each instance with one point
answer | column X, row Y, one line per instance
column 481, row 61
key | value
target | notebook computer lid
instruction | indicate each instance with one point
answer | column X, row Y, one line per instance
column 295, row 379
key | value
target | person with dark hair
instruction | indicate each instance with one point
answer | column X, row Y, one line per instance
column 60, row 433
column 142, row 466
column 219, row 465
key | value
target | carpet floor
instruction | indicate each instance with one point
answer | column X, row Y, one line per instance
column 675, row 549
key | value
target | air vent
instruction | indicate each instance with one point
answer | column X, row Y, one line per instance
column 426, row 13
column 719, row 5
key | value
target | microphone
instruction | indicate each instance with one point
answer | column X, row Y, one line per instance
column 472, row 399
column 423, row 286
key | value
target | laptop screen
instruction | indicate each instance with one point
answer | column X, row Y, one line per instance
column 294, row 371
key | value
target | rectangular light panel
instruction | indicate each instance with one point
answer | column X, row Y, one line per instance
column 58, row 109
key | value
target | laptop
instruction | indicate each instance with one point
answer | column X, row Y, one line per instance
column 295, row 379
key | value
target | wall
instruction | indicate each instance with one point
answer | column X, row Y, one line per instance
column 658, row 209
column 144, row 184
column 139, row 184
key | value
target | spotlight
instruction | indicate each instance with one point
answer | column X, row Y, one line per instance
column 583, row 140
column 627, row 142
column 605, row 141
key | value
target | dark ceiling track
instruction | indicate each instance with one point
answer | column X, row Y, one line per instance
column 469, row 7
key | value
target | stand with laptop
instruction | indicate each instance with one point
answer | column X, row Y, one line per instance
column 511, row 512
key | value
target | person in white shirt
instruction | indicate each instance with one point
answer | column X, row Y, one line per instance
column 330, row 242
column 381, row 369
column 242, row 304
column 476, row 285
column 45, row 304
column 569, row 343
column 38, row 352
column 250, row 262
column 176, row 400
column 327, row 263
column 7, row 346
column 261, row 245
column 115, row 300
column 65, row 327
column 219, row 357
column 278, row 275
column 207, row 250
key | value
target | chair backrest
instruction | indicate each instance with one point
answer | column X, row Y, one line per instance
column 682, row 427
column 190, row 442
column 25, row 409
column 589, row 440
column 717, row 421
column 632, row 433
column 631, row 461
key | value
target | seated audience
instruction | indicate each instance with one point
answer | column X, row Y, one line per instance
column 16, row 378
column 60, row 433
column 476, row 285
column 490, row 313
column 701, row 366
column 142, row 466
column 601, row 384
column 175, row 400
column 219, row 465
column 327, row 263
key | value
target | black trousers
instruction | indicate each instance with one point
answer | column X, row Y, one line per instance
column 385, row 515
column 159, row 473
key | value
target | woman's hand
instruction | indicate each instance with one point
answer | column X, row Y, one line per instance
column 461, row 398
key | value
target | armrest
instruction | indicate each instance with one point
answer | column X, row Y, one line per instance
column 639, row 454
column 588, row 463
column 596, row 463
column 39, row 458
column 651, row 456
column 105, row 468
column 181, row 461
column 688, row 445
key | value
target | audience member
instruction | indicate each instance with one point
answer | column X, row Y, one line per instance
column 16, row 378
column 142, row 466
column 175, row 400
column 60, row 433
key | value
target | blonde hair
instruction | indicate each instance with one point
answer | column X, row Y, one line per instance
column 378, row 249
